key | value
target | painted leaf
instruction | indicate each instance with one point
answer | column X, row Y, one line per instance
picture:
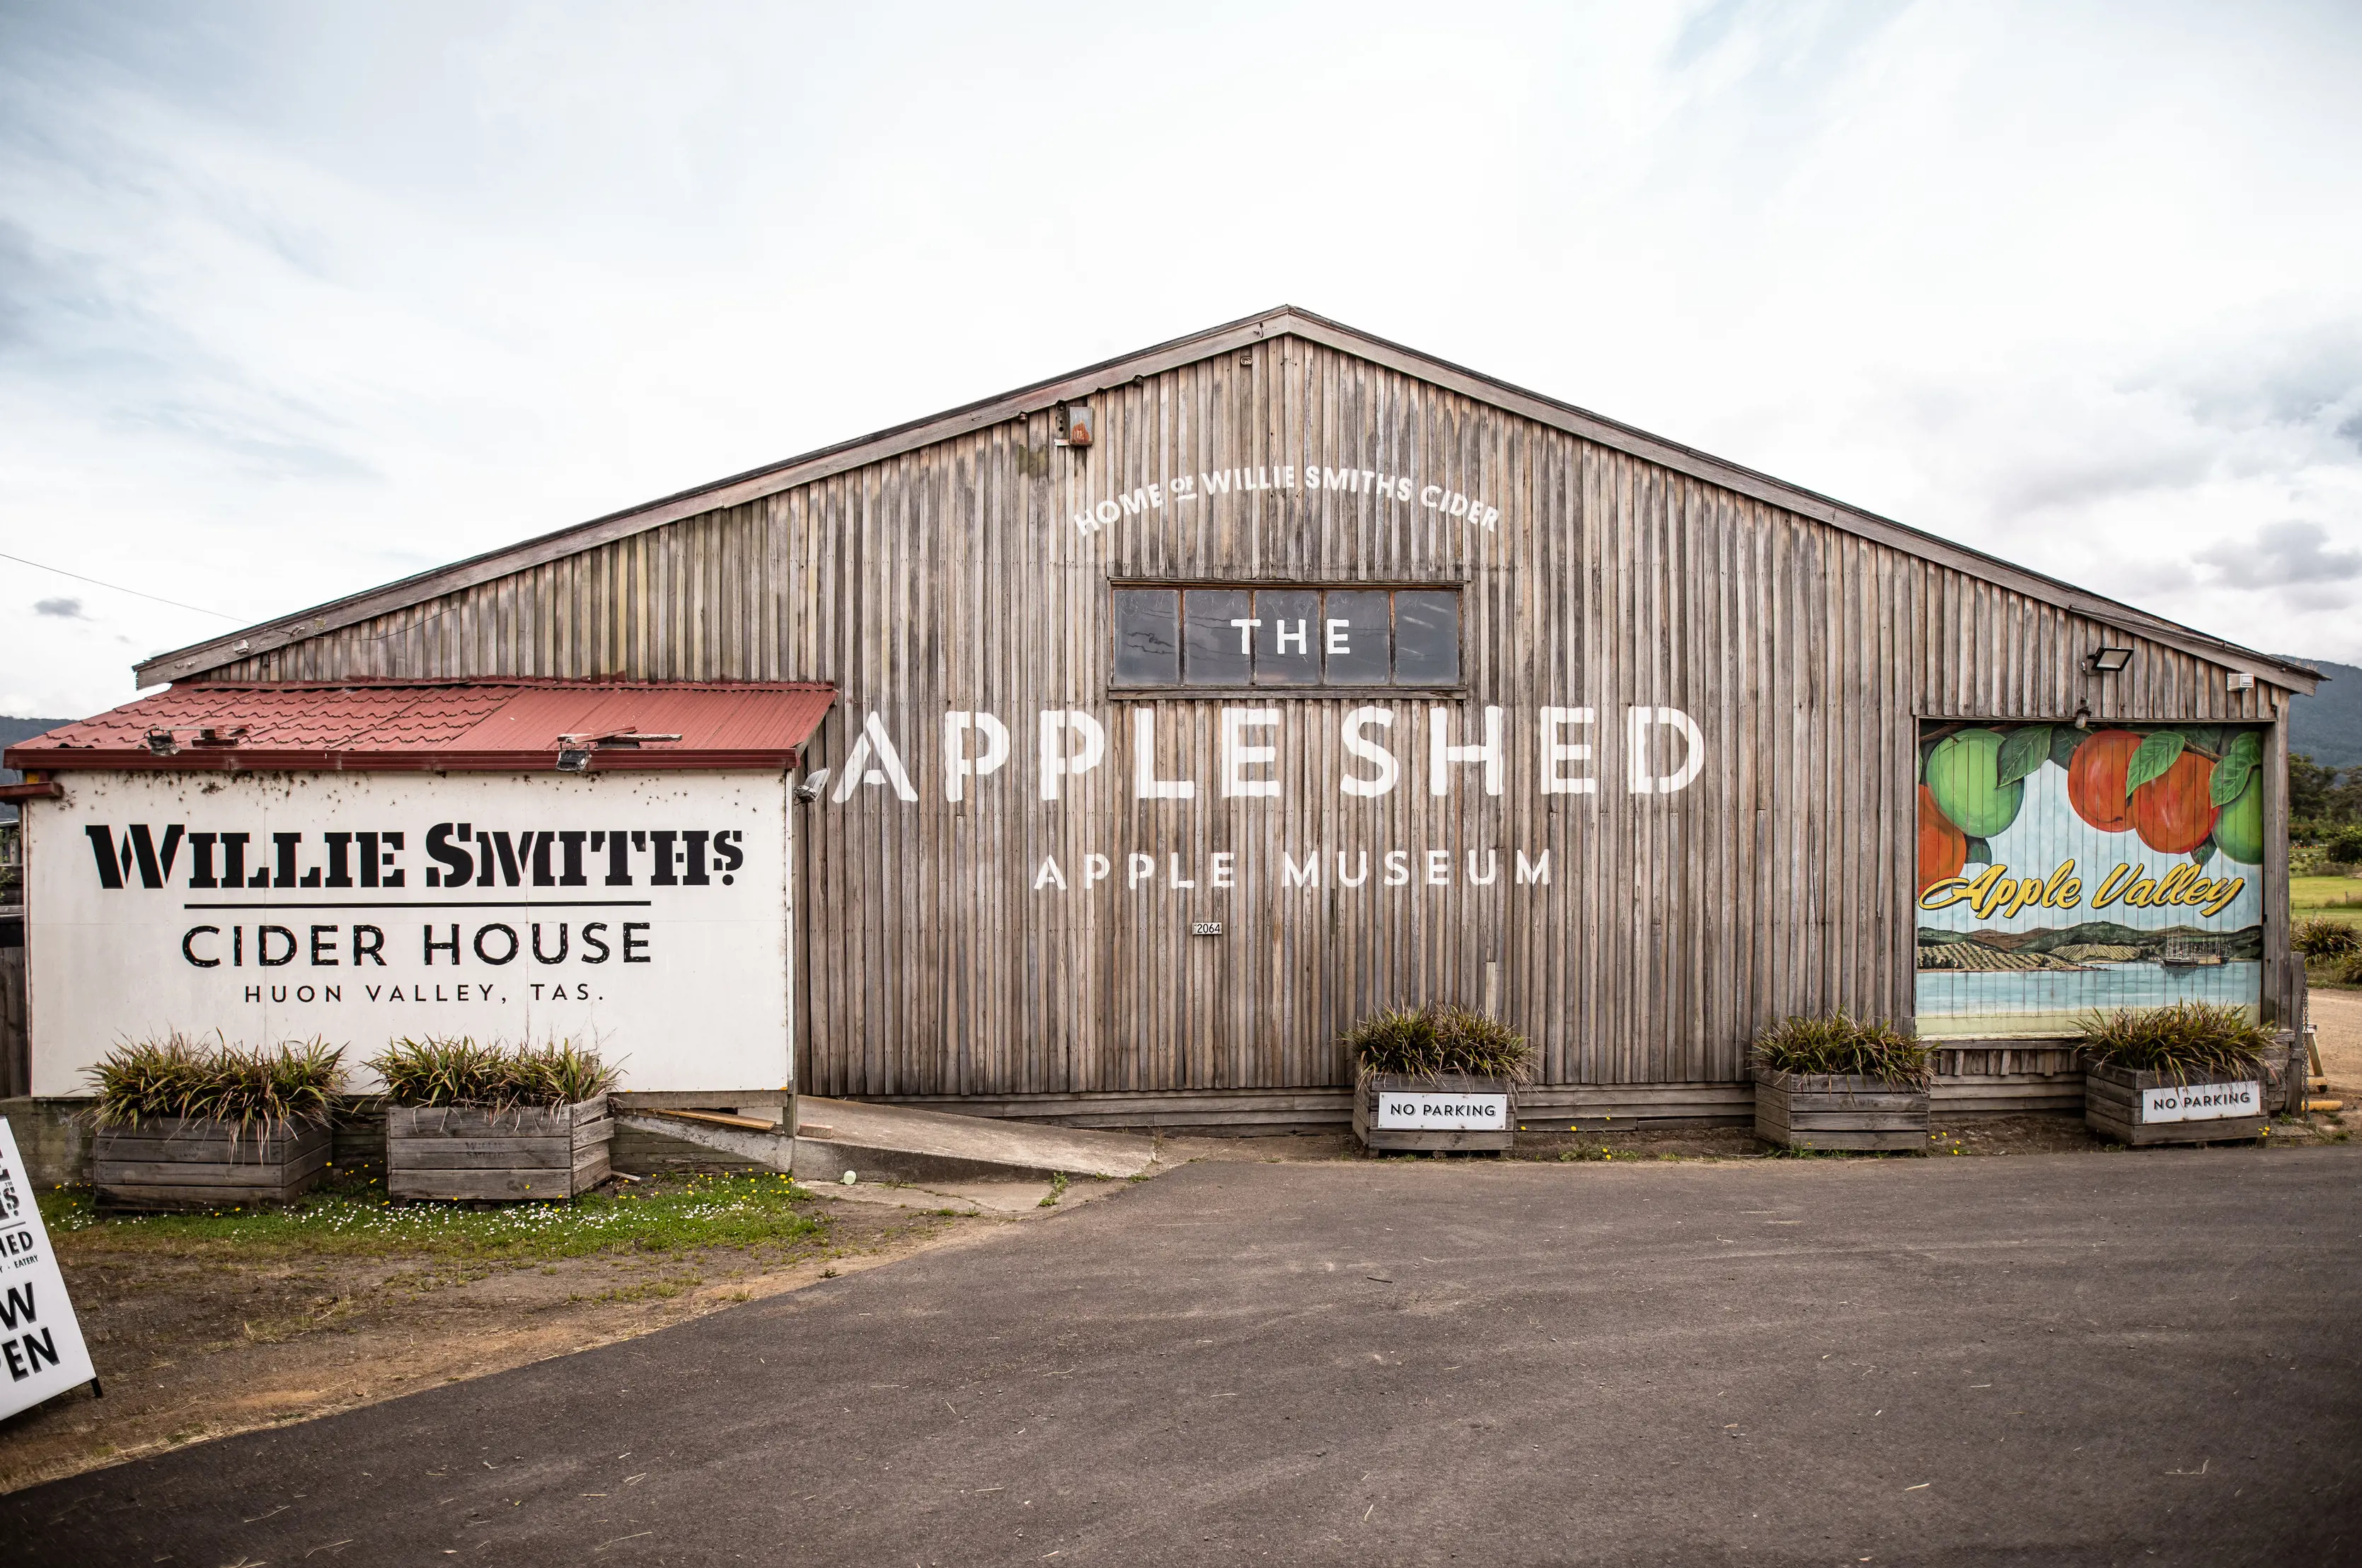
column 2238, row 764
column 2156, row 754
column 2231, row 776
column 1979, row 853
column 2203, row 852
column 2207, row 738
column 2025, row 750
column 2064, row 739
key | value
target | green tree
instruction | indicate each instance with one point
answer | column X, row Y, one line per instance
column 2320, row 800
column 2346, row 798
column 2310, row 787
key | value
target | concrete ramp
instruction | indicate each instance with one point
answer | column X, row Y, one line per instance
column 888, row 1142
column 892, row 1143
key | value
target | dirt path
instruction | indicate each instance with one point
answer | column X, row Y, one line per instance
column 195, row 1348
column 2338, row 1017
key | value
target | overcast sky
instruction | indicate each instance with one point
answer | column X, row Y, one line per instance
column 297, row 299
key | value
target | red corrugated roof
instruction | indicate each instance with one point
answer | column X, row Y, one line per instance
column 472, row 726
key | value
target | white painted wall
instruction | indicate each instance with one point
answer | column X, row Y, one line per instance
column 692, row 990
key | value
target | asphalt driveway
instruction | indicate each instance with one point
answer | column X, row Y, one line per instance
column 2101, row 1358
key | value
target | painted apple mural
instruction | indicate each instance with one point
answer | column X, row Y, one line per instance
column 2174, row 813
column 2125, row 881
column 2240, row 829
column 2192, row 790
column 1963, row 773
column 2095, row 779
column 1943, row 848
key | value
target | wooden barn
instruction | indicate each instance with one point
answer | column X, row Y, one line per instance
column 1191, row 706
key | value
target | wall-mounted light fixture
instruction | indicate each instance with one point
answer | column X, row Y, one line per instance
column 2239, row 680
column 2107, row 660
column 1074, row 424
column 809, row 790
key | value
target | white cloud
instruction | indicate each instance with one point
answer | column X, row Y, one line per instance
column 295, row 300
column 2281, row 555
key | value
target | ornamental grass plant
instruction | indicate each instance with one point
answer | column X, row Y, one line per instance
column 1839, row 1046
column 2189, row 1040
column 176, row 1076
column 441, row 1071
column 1442, row 1037
column 2322, row 937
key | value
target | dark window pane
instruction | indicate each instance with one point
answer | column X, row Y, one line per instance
column 1147, row 636
column 1288, row 644
column 1212, row 652
column 1358, row 650
column 1426, row 639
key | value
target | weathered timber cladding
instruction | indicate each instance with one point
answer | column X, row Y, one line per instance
column 2007, row 1078
column 1835, row 1110
column 176, row 1162
column 953, row 578
column 466, row 1152
column 16, row 1045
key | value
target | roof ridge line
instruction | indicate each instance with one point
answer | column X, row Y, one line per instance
column 1289, row 321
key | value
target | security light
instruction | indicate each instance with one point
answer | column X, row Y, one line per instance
column 2107, row 661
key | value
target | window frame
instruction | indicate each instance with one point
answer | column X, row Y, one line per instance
column 1119, row 692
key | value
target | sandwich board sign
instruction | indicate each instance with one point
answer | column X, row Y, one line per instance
column 41, row 1353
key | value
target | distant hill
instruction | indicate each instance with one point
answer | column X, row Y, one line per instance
column 2327, row 725
column 11, row 732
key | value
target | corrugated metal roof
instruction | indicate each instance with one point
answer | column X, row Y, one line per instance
column 473, row 726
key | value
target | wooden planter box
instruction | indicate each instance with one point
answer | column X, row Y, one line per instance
column 184, row 1162
column 533, row 1152
column 1833, row 1110
column 1450, row 1111
column 2142, row 1108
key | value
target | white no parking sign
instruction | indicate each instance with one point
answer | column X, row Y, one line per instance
column 41, row 1353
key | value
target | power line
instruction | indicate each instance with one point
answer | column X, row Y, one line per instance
column 117, row 587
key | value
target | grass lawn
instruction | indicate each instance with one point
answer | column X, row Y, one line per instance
column 2338, row 897
column 2328, row 897
column 352, row 1216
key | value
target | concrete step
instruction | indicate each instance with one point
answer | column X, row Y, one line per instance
column 898, row 1144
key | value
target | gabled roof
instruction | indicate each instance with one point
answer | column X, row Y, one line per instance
column 1284, row 320
column 440, row 727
